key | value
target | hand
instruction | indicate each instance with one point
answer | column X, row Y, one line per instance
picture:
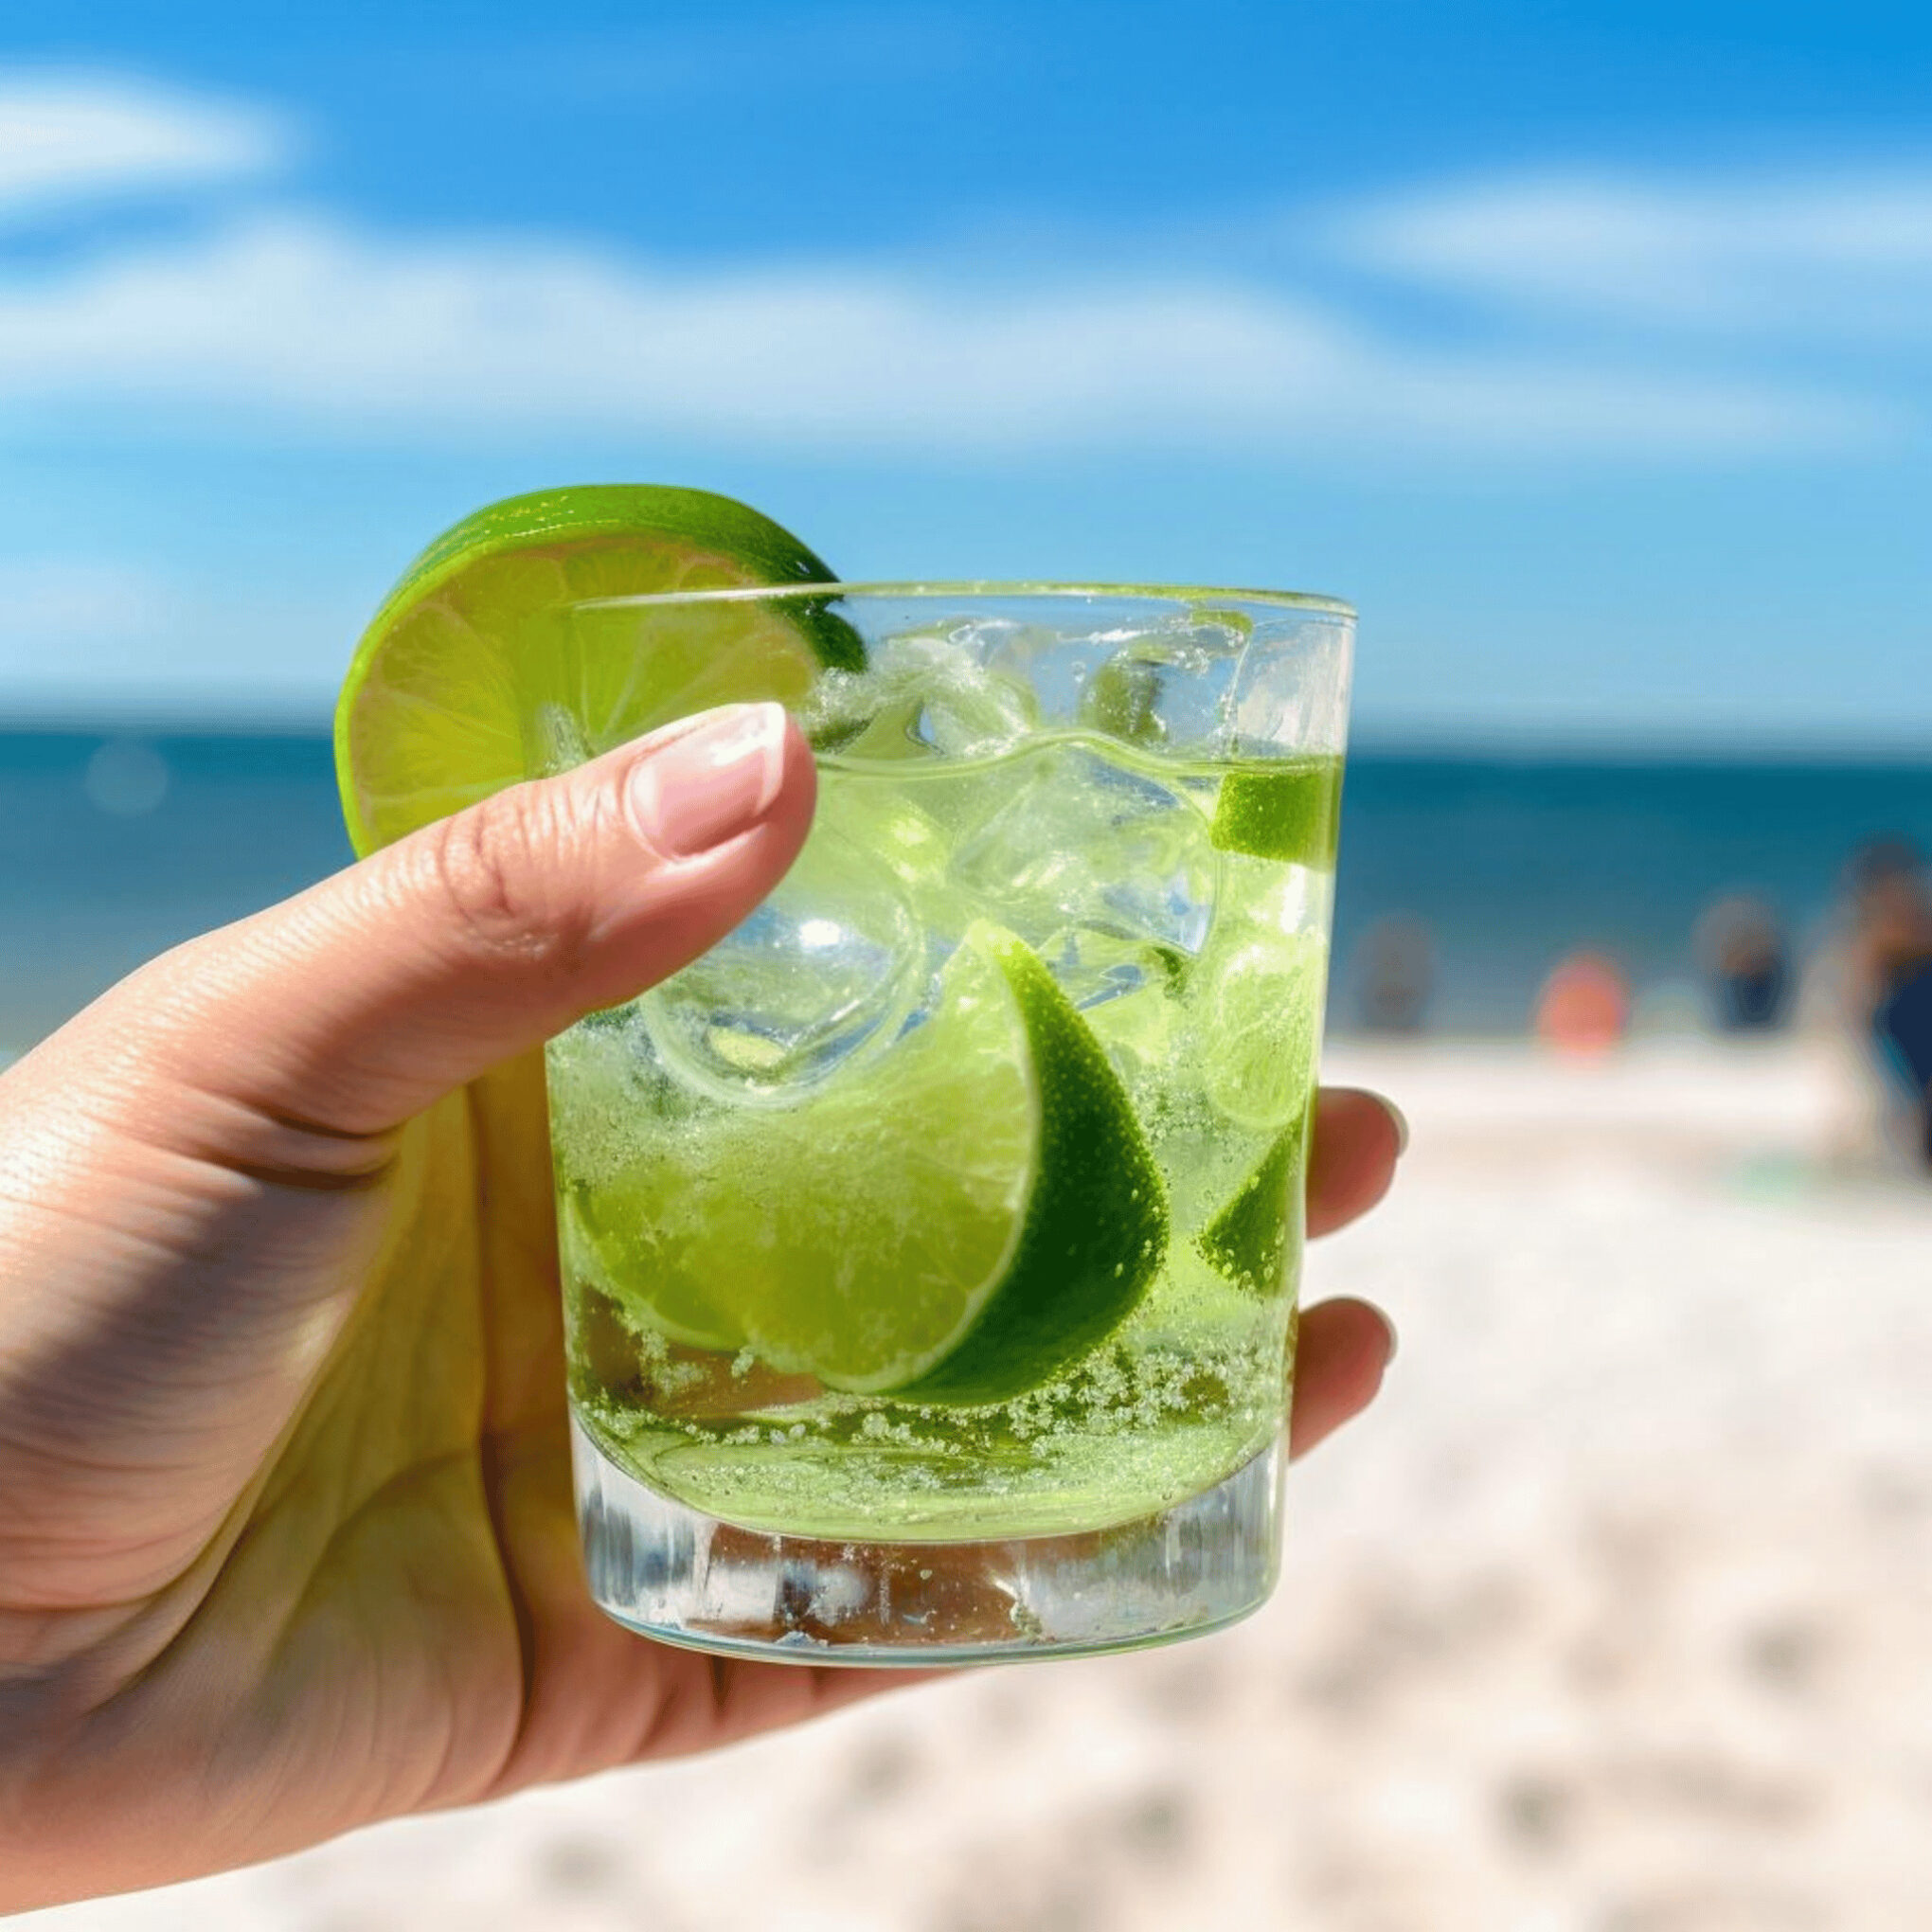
column 286, row 1533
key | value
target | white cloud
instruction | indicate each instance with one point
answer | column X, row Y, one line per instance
column 1844, row 254
column 68, row 139
column 293, row 324
column 295, row 321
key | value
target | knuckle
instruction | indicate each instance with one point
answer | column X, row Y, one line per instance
column 503, row 873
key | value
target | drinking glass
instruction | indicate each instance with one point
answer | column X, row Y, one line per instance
column 930, row 1246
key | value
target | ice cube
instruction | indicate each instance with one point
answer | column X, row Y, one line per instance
column 927, row 693
column 973, row 714
column 1291, row 689
column 1087, row 843
column 1257, row 1021
column 1094, row 965
column 823, row 973
column 1170, row 688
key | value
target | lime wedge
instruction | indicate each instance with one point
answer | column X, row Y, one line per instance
column 472, row 676
column 958, row 1228
column 602, row 1245
column 1247, row 1240
column 1290, row 812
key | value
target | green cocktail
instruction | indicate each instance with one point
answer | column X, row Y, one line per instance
column 951, row 1208
column 929, row 1246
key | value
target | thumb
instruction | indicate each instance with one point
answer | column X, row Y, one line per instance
column 355, row 1005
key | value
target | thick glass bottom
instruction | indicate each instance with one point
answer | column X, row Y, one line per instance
column 672, row 1572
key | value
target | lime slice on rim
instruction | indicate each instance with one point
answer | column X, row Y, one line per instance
column 477, row 672
column 959, row 1226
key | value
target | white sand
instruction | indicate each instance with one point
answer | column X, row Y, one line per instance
column 1615, row 1616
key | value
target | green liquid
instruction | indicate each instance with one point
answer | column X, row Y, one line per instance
column 1193, row 947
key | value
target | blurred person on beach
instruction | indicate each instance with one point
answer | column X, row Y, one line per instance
column 1584, row 1007
column 286, row 1541
column 1888, row 976
column 1394, row 976
column 1866, row 999
column 1740, row 947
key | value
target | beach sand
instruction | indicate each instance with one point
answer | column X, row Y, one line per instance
column 1614, row 1615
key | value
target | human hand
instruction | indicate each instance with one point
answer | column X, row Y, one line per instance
column 286, row 1532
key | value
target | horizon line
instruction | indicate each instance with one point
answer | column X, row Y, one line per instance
column 1513, row 744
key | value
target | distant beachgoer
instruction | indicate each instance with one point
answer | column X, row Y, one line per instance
column 1585, row 1005
column 1395, row 975
column 1889, row 972
column 286, row 1541
column 1742, row 948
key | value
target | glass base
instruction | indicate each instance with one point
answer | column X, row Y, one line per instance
column 674, row 1573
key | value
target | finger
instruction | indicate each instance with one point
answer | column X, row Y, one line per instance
column 1358, row 1138
column 1341, row 1354
column 352, row 1007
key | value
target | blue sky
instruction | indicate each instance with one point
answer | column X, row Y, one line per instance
column 1591, row 356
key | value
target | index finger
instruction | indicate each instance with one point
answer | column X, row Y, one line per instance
column 1358, row 1138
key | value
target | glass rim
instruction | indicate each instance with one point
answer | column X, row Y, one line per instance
column 1307, row 602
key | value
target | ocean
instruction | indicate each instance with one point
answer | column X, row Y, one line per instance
column 114, row 848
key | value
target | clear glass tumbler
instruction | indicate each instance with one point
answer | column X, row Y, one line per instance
column 930, row 1245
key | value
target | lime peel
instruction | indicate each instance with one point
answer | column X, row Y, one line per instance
column 1247, row 1241
column 1291, row 812
column 1095, row 1228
